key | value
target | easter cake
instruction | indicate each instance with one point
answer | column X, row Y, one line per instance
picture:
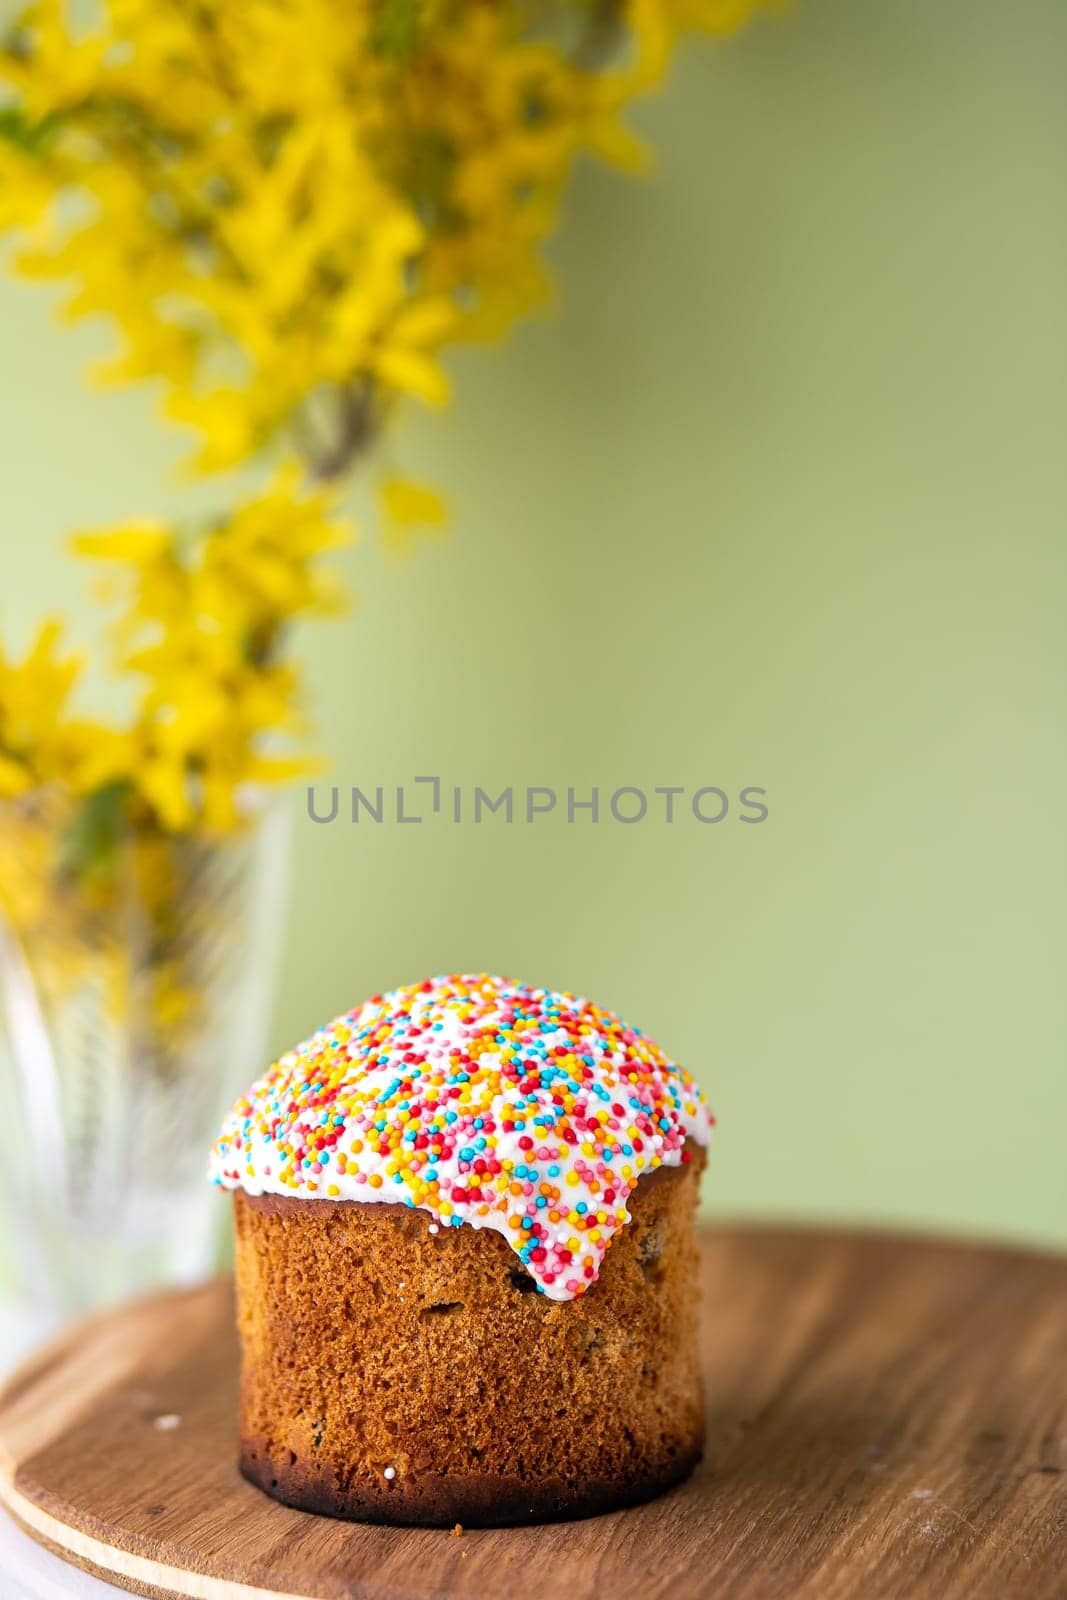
column 466, row 1264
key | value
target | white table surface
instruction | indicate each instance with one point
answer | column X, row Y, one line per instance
column 28, row 1572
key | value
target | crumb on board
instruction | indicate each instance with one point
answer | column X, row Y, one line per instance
column 457, row 1531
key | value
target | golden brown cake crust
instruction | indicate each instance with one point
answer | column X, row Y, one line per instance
column 391, row 1374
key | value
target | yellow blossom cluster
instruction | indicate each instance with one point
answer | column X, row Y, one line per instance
column 199, row 616
column 290, row 209
column 40, row 741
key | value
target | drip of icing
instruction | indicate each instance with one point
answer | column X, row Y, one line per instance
column 479, row 1100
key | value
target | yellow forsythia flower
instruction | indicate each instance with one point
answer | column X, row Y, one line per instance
column 409, row 505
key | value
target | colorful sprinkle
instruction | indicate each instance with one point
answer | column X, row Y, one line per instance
column 478, row 1100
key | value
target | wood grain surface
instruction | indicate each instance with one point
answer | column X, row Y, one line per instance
column 887, row 1420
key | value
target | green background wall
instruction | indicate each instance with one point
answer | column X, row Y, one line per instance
column 774, row 496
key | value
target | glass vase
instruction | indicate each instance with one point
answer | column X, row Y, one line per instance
column 137, row 970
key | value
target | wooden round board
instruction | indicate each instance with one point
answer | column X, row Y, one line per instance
column 887, row 1420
